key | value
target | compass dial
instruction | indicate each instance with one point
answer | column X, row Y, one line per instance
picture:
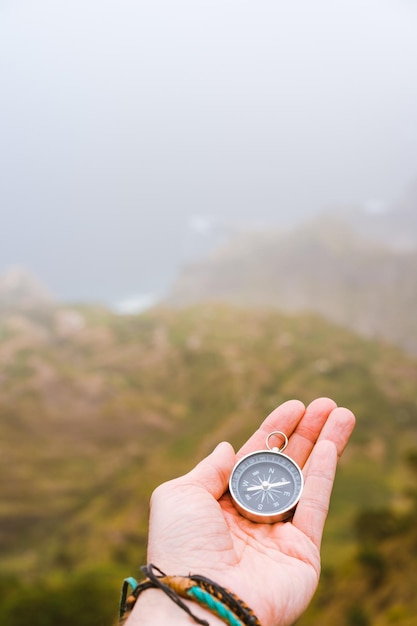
column 266, row 486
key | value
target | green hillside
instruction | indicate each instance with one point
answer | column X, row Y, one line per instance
column 97, row 409
column 377, row 586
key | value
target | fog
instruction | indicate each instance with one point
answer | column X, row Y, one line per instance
column 135, row 135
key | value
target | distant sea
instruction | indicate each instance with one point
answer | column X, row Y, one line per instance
column 135, row 303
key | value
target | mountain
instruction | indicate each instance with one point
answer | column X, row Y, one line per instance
column 323, row 266
column 394, row 226
column 19, row 289
column 96, row 409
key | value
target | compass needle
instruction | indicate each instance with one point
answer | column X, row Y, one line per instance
column 283, row 482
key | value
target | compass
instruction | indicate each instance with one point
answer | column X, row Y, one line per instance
column 266, row 485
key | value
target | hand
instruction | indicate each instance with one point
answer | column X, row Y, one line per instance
column 274, row 568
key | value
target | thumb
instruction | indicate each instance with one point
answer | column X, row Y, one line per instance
column 212, row 473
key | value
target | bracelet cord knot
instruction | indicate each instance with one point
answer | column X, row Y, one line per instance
column 217, row 599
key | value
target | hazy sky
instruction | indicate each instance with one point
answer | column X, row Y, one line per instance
column 133, row 133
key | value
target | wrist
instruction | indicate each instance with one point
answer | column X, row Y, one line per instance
column 184, row 592
column 153, row 607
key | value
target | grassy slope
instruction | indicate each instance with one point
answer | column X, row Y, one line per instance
column 95, row 410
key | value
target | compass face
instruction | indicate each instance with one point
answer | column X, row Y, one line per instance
column 265, row 486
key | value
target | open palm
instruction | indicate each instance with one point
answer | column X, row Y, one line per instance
column 274, row 568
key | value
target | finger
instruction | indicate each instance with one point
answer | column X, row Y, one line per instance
column 313, row 507
column 284, row 418
column 309, row 429
column 212, row 473
column 338, row 428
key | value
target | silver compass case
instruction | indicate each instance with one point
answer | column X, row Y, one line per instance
column 266, row 486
